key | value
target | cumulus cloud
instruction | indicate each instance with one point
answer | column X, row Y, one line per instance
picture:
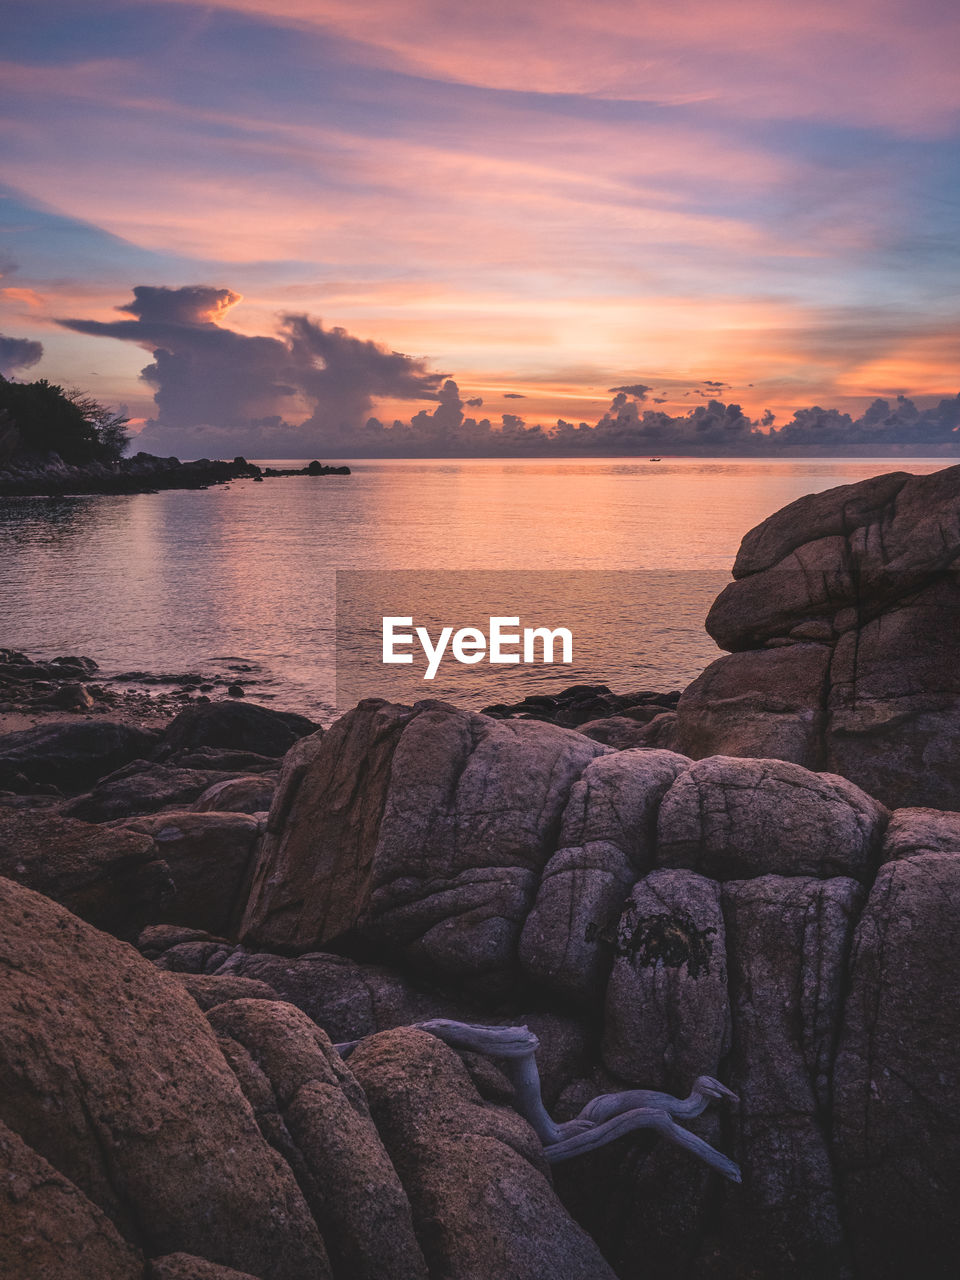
column 636, row 389
column 241, row 388
column 18, row 353
column 311, row 391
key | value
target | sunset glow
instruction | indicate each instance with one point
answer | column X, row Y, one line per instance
column 753, row 202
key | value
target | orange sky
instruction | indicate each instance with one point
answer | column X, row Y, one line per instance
column 543, row 201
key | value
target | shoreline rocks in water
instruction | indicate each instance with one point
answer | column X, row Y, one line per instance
column 143, row 473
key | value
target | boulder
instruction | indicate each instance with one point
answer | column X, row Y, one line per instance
column 73, row 754
column 211, row 989
column 423, row 829
column 234, row 726
column 253, row 794
column 842, row 624
column 787, row 943
column 913, row 831
column 763, row 704
column 619, row 732
column 896, row 1104
column 607, row 841
column 474, row 1173
column 210, row 861
column 223, row 760
column 312, row 1110
column 49, row 1230
column 116, row 880
column 730, row 818
column 347, row 999
column 667, row 1015
column 110, row 1072
column 183, row 1266
column 140, row 788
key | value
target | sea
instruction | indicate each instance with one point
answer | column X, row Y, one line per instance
column 281, row 585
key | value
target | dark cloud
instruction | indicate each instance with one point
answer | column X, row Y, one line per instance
column 238, row 387
column 476, row 402
column 513, row 395
column 18, row 353
column 883, row 424
column 636, row 389
column 710, row 382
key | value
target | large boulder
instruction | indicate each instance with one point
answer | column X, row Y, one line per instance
column 347, row 999
column 110, row 1072
column 234, row 726
column 667, row 1013
column 730, row 819
column 252, row 794
column 474, row 1173
column 209, row 857
column 311, row 1109
column 842, row 624
column 70, row 755
column 423, row 829
column 141, row 787
column 896, row 1102
column 49, row 1230
column 913, row 831
column 787, row 943
column 116, row 880
column 607, row 841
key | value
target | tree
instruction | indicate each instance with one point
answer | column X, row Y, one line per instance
column 48, row 420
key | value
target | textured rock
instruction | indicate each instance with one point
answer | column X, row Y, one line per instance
column 667, row 1016
column 110, row 1072
column 425, row 829
column 474, row 1173
column 347, row 999
column 730, row 818
column 323, row 824
column 49, row 1230
column 897, row 1107
column 234, row 726
column 315, row 1114
column 115, row 880
column 184, row 1266
column 765, row 704
column 913, row 831
column 211, row 989
column 210, row 860
column 138, row 789
column 607, row 839
column 252, row 794
column 787, row 945
column 72, row 754
column 845, row 648
column 620, row 732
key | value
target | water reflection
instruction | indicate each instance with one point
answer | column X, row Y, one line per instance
column 171, row 581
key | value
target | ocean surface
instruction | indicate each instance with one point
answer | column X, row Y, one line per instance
column 245, row 576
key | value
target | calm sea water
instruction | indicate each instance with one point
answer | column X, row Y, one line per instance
column 245, row 574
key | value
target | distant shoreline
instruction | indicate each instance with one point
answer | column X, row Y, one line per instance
column 143, row 473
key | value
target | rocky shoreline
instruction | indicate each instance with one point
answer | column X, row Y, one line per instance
column 240, row 951
column 143, row 473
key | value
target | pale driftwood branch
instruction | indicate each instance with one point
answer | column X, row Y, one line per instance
column 601, row 1121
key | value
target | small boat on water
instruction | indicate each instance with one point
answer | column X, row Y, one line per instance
column 656, row 459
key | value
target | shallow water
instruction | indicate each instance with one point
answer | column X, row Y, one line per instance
column 245, row 574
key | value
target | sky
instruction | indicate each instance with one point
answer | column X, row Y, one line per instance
column 280, row 228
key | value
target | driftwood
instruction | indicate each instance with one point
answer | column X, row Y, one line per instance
column 601, row 1121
